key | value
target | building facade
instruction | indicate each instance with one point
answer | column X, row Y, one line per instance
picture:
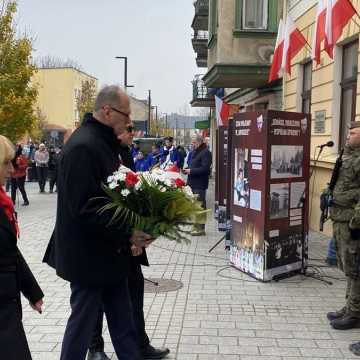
column 240, row 39
column 58, row 90
column 328, row 91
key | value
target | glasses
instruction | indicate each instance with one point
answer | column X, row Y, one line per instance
column 130, row 129
column 120, row 112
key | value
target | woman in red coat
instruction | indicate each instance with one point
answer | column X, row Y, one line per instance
column 18, row 176
column 15, row 275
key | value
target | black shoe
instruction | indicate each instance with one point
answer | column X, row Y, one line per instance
column 154, row 353
column 26, row 203
column 346, row 322
column 336, row 314
column 97, row 355
column 355, row 348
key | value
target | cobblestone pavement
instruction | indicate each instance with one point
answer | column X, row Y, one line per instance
column 219, row 313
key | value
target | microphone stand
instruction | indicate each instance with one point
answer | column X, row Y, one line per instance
column 302, row 203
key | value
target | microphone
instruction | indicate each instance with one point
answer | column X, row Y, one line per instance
column 328, row 144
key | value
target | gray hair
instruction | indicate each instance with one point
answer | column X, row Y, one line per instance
column 198, row 138
column 108, row 95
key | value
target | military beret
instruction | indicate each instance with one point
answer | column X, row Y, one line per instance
column 354, row 124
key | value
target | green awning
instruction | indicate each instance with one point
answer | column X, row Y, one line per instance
column 202, row 124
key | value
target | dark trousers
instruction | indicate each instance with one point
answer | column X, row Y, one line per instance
column 42, row 176
column 202, row 198
column 52, row 179
column 86, row 302
column 136, row 290
column 18, row 183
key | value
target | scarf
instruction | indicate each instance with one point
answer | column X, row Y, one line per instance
column 8, row 207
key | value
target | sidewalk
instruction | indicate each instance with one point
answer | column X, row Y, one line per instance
column 217, row 314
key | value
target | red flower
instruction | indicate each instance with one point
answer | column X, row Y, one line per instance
column 179, row 182
column 131, row 179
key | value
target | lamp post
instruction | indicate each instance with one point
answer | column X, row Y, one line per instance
column 156, row 121
column 125, row 71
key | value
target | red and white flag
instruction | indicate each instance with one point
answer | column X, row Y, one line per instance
column 222, row 111
column 319, row 31
column 294, row 41
column 275, row 71
column 338, row 14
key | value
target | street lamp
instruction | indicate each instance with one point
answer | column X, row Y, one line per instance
column 125, row 71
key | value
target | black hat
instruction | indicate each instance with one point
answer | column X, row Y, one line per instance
column 170, row 138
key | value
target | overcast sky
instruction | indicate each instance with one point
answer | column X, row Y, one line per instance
column 155, row 35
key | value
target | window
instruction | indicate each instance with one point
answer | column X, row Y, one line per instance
column 348, row 88
column 255, row 14
column 306, row 90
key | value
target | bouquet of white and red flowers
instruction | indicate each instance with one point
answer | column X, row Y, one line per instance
column 157, row 203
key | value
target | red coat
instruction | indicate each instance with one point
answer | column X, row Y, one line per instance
column 22, row 163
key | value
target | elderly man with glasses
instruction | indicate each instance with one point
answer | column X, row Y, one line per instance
column 93, row 257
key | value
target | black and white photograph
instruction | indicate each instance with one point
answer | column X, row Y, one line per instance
column 286, row 161
column 241, row 179
column 279, row 201
column 283, row 251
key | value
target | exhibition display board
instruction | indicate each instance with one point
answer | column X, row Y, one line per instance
column 270, row 158
column 221, row 177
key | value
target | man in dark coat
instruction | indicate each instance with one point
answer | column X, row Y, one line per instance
column 84, row 250
column 135, row 280
column 199, row 173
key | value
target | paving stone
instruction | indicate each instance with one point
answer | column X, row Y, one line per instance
column 211, row 317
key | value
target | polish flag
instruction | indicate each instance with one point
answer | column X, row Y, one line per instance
column 278, row 54
column 294, row 41
column 222, row 111
column 319, row 31
column 338, row 14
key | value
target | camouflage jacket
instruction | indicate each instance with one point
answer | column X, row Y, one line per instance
column 346, row 195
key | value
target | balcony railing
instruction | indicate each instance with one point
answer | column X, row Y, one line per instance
column 200, row 91
column 201, row 7
column 201, row 35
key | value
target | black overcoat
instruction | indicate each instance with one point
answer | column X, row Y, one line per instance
column 15, row 278
column 200, row 168
column 83, row 248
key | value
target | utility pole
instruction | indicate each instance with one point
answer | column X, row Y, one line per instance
column 166, row 125
column 176, row 130
column 149, row 120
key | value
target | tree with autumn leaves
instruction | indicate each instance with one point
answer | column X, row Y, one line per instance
column 17, row 94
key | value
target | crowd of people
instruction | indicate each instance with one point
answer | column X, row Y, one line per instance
column 102, row 263
column 33, row 162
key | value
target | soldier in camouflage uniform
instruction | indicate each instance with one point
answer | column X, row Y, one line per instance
column 345, row 214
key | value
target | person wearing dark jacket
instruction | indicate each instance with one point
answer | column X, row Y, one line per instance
column 135, row 280
column 52, row 168
column 198, row 174
column 93, row 256
column 15, row 275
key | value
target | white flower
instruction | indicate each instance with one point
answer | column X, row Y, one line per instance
column 138, row 185
column 168, row 182
column 113, row 185
column 110, row 179
column 119, row 176
column 188, row 192
column 123, row 169
column 125, row 192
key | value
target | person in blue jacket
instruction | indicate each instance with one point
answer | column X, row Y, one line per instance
column 140, row 163
column 154, row 157
column 169, row 153
column 135, row 148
